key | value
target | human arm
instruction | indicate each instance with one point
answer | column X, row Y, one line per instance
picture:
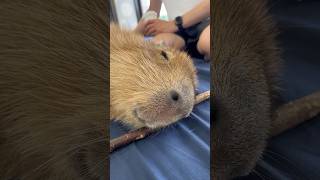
column 193, row 16
column 196, row 14
column 155, row 5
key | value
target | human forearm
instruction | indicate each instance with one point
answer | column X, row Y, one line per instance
column 196, row 14
column 155, row 5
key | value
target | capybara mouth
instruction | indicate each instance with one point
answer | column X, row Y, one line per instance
column 158, row 121
column 135, row 113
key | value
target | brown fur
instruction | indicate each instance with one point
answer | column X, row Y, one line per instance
column 142, row 78
column 53, row 89
column 244, row 70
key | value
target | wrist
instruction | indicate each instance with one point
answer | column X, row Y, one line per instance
column 179, row 23
column 174, row 26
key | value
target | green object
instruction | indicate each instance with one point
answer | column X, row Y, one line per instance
column 164, row 18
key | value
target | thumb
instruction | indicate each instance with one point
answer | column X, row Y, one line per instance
column 150, row 21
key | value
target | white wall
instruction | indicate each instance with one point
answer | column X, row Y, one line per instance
column 126, row 13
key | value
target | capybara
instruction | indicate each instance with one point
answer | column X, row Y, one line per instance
column 150, row 85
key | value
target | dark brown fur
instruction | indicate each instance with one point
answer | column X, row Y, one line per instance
column 53, row 89
column 244, row 70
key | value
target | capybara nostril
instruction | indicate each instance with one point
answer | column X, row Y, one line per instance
column 174, row 96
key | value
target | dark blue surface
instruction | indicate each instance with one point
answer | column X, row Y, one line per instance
column 296, row 154
column 180, row 151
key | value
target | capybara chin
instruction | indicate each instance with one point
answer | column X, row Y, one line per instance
column 53, row 89
column 244, row 77
column 150, row 85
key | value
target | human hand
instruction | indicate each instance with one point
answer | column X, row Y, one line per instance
column 157, row 26
column 141, row 26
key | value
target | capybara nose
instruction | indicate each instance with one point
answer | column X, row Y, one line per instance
column 179, row 103
column 174, row 96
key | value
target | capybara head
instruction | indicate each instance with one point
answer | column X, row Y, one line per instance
column 150, row 85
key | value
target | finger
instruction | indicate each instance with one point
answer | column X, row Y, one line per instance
column 151, row 32
column 140, row 27
column 146, row 28
column 151, row 21
column 148, row 23
column 149, row 29
column 144, row 23
column 155, row 32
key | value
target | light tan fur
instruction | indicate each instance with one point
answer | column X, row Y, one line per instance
column 141, row 78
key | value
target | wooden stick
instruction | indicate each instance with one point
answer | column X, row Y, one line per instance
column 202, row 97
column 295, row 112
column 144, row 132
column 129, row 137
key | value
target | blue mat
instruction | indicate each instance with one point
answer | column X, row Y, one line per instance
column 296, row 154
column 181, row 151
